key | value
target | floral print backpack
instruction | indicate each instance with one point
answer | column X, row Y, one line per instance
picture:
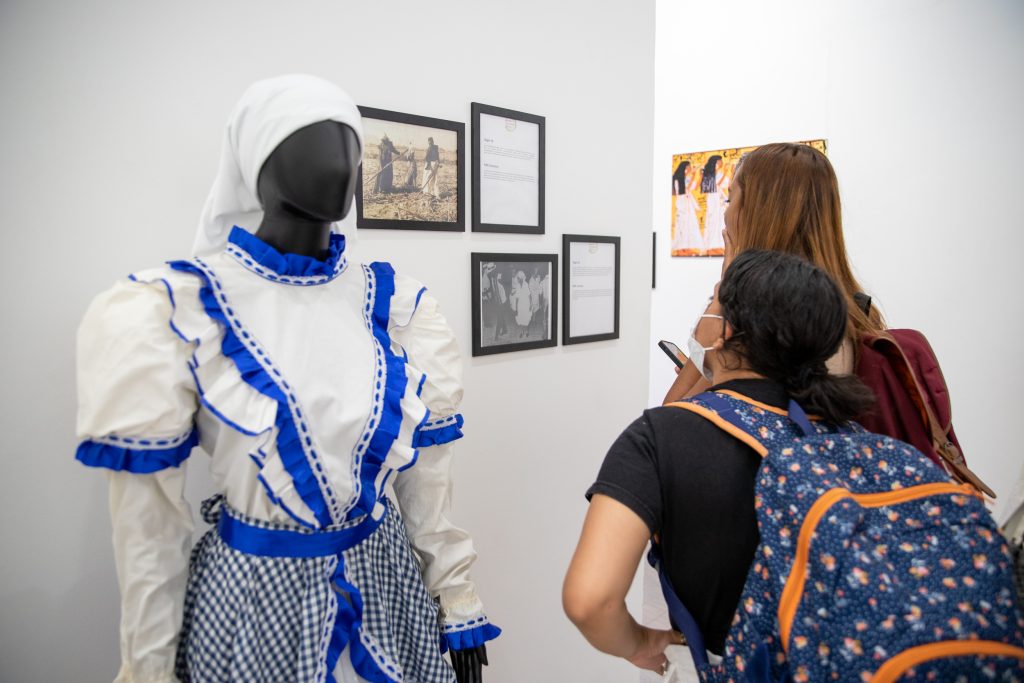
column 872, row 564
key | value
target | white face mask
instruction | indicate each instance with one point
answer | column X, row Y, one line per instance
column 697, row 349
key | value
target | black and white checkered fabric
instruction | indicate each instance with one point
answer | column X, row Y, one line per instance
column 268, row 619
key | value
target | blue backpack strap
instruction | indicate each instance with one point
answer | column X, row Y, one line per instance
column 723, row 407
column 681, row 616
column 719, row 411
column 797, row 414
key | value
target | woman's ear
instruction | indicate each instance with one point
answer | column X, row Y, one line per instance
column 727, row 333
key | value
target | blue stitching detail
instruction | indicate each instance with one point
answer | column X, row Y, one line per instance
column 318, row 496
column 137, row 461
column 363, row 442
column 244, row 259
column 115, row 440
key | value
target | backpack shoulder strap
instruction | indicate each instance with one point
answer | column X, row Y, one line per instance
column 681, row 617
column 718, row 409
column 728, row 423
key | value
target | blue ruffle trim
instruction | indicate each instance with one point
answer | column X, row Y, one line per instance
column 135, row 460
column 434, row 437
column 386, row 432
column 294, row 265
column 289, row 447
column 467, row 640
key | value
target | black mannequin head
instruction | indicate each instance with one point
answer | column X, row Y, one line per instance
column 307, row 183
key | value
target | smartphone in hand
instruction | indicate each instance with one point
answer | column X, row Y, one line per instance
column 673, row 352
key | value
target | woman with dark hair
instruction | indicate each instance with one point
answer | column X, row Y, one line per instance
column 676, row 475
column 714, row 184
column 686, row 237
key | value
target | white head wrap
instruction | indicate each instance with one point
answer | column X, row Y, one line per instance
column 269, row 111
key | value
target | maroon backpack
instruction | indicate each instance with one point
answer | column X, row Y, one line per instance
column 913, row 405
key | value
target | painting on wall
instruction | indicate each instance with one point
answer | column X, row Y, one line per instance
column 700, row 193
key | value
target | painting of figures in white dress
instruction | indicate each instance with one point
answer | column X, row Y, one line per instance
column 700, row 193
column 412, row 176
column 515, row 302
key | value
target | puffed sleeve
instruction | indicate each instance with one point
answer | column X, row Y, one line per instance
column 135, row 420
column 424, row 491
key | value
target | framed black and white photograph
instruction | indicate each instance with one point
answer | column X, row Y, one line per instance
column 515, row 302
column 508, row 170
column 412, row 176
column 590, row 264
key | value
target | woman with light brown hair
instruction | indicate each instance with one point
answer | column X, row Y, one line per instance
column 785, row 197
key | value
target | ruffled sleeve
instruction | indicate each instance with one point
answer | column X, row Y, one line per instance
column 419, row 328
column 424, row 491
column 135, row 420
column 136, row 397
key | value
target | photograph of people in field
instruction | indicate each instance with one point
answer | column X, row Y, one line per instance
column 410, row 174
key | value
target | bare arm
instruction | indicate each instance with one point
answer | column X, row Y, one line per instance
column 594, row 593
column 687, row 383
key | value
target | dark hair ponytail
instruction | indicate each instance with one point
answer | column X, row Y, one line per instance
column 789, row 318
column 837, row 398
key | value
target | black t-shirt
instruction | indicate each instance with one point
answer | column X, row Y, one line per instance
column 693, row 485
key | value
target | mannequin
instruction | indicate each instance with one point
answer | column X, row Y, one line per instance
column 247, row 350
column 298, row 189
column 306, row 184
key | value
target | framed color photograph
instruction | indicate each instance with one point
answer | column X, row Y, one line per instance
column 590, row 266
column 515, row 302
column 412, row 176
column 508, row 171
column 700, row 193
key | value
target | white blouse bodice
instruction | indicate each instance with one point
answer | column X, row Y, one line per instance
column 311, row 384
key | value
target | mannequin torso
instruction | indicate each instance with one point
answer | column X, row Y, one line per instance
column 255, row 365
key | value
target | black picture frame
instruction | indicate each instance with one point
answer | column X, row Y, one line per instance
column 567, row 241
column 654, row 260
column 477, row 273
column 478, row 225
column 459, row 128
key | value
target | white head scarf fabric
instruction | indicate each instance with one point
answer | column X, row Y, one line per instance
column 269, row 111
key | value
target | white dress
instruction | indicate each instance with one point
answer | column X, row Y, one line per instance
column 521, row 302
column 714, row 219
column 687, row 235
column 312, row 385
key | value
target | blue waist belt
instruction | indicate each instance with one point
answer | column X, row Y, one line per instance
column 254, row 540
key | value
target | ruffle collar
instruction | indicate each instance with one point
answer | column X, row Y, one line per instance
column 267, row 262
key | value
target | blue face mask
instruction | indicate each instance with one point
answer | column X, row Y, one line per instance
column 697, row 350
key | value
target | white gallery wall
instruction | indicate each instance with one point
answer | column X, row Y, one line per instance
column 921, row 103
column 112, row 122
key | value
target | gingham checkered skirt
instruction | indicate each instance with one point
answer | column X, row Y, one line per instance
column 267, row 619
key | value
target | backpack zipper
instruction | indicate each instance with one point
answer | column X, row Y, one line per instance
column 898, row 665
column 793, row 590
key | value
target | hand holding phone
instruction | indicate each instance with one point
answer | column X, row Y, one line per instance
column 673, row 352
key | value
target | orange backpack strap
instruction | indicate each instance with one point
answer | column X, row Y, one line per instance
column 717, row 420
